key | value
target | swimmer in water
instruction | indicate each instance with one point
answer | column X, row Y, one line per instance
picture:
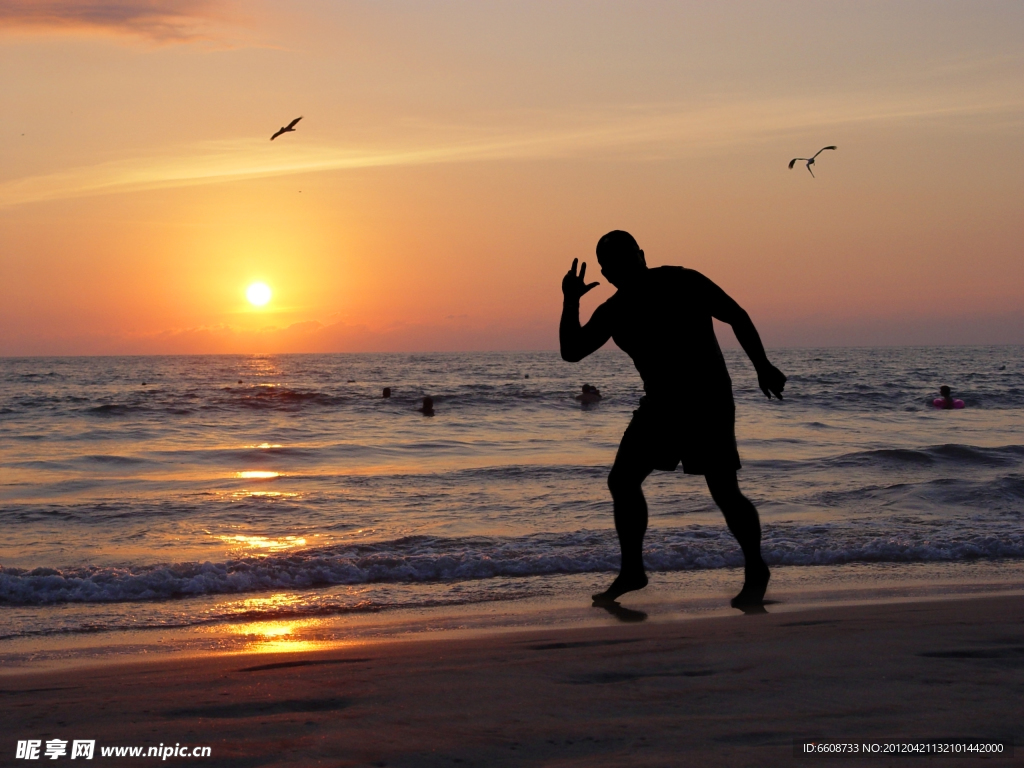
column 428, row 406
column 947, row 399
column 947, row 402
column 589, row 395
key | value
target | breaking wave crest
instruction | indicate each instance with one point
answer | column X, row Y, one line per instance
column 435, row 559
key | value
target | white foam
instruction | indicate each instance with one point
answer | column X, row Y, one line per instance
column 429, row 559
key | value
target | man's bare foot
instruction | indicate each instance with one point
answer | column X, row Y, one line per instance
column 754, row 586
column 621, row 586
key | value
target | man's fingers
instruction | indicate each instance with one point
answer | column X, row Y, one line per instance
column 781, row 385
column 576, row 284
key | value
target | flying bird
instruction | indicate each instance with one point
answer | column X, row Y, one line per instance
column 286, row 128
column 810, row 160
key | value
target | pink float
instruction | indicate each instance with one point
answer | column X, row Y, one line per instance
column 940, row 402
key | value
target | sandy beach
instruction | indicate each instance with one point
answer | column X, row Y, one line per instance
column 733, row 690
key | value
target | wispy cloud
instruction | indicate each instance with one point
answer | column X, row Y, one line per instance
column 652, row 132
column 159, row 20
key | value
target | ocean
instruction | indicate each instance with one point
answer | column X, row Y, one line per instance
column 140, row 495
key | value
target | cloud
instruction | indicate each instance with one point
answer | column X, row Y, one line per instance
column 652, row 132
column 159, row 20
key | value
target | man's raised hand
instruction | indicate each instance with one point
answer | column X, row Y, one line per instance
column 573, row 285
column 772, row 381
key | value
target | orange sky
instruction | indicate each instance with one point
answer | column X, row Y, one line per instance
column 455, row 157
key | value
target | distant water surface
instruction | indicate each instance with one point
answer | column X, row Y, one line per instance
column 176, row 491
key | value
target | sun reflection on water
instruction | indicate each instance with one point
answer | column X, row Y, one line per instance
column 266, row 641
column 268, row 494
column 275, row 636
column 257, row 474
column 265, row 543
column 276, row 629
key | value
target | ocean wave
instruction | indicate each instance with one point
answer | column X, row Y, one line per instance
column 116, row 409
column 950, row 453
column 421, row 559
column 293, row 397
column 270, row 396
column 112, row 459
column 996, row 494
column 299, row 606
column 280, row 398
column 947, row 495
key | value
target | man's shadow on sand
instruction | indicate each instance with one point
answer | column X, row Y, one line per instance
column 630, row 616
column 620, row 612
column 753, row 610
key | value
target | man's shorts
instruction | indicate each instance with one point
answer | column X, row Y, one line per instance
column 701, row 435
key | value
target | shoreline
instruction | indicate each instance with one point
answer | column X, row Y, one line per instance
column 725, row 690
column 559, row 603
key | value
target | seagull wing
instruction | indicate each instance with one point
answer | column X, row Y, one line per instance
column 793, row 162
column 291, row 125
column 822, row 150
column 279, row 132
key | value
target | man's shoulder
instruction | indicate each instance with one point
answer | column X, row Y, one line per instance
column 670, row 269
column 658, row 280
column 674, row 275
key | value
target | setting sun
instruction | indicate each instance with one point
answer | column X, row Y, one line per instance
column 258, row 294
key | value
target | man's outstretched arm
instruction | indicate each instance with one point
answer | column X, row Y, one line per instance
column 724, row 308
column 577, row 342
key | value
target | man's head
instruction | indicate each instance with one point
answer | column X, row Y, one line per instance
column 620, row 257
column 944, row 391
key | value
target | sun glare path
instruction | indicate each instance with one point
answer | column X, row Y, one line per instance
column 258, row 294
column 265, row 542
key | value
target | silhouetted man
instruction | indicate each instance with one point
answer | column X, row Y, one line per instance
column 661, row 318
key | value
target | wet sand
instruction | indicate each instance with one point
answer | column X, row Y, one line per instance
column 731, row 690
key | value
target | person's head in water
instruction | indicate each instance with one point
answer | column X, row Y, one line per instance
column 428, row 406
column 945, row 391
column 620, row 257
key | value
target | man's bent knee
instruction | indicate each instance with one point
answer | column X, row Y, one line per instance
column 622, row 481
column 725, row 489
